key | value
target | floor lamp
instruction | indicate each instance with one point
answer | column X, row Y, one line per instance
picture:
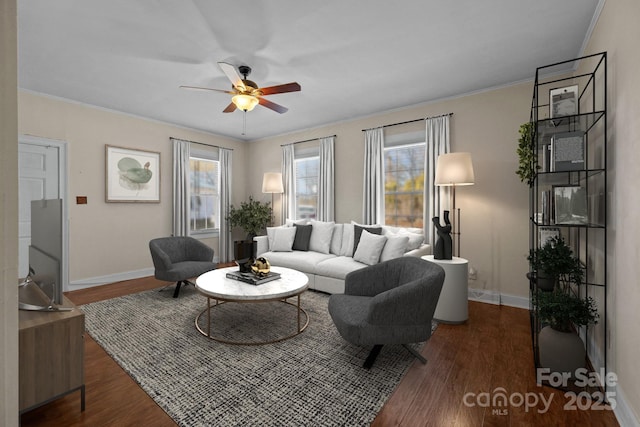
column 454, row 169
column 272, row 183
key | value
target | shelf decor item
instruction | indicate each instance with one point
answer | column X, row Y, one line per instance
column 570, row 205
column 132, row 175
column 554, row 262
column 563, row 101
column 567, row 151
column 527, row 160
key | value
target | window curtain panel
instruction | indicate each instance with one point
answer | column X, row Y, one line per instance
column 437, row 138
column 181, row 185
column 373, row 194
column 289, row 183
column 326, row 184
column 226, row 169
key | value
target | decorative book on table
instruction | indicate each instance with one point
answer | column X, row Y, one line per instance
column 252, row 279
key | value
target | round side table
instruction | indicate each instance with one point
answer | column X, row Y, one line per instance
column 453, row 305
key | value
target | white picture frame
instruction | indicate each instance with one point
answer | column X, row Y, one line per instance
column 131, row 176
column 563, row 101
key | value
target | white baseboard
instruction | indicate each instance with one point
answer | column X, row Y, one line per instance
column 111, row 278
column 497, row 298
column 624, row 413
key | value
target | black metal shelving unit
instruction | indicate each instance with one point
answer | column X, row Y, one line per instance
column 587, row 234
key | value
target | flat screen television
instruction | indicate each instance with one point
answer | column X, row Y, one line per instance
column 44, row 270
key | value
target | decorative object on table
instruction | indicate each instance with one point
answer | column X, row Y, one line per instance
column 561, row 348
column 251, row 278
column 570, row 205
column 547, row 233
column 261, row 267
column 563, row 101
column 443, row 246
column 567, row 151
column 272, row 183
column 132, row 175
column 554, row 262
column 253, row 217
column 454, row 169
column 527, row 159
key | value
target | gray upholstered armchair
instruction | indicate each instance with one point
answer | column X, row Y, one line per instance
column 388, row 303
column 178, row 259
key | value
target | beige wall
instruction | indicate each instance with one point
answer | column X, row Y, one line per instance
column 617, row 32
column 112, row 238
column 8, row 216
column 494, row 210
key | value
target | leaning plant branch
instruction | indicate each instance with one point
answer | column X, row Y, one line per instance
column 528, row 161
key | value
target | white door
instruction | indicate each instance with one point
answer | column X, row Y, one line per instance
column 38, row 178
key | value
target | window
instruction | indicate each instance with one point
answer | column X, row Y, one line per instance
column 205, row 194
column 404, row 185
column 307, row 169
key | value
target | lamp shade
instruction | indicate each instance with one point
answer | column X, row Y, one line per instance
column 454, row 169
column 245, row 102
column 272, row 183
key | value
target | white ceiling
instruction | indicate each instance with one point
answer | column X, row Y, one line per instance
column 352, row 58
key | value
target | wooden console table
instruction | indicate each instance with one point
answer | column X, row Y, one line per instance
column 51, row 352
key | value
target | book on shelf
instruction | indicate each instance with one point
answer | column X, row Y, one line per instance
column 252, row 279
column 567, row 151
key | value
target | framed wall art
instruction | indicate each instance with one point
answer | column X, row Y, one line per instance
column 132, row 175
column 563, row 101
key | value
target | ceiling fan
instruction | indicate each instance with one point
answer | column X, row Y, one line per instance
column 247, row 94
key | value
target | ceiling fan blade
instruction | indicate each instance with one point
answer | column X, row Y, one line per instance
column 230, row 108
column 272, row 105
column 287, row 87
column 207, row 88
column 233, row 76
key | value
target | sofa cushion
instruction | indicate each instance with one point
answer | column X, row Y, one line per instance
column 321, row 234
column 338, row 267
column 369, row 248
column 281, row 238
column 357, row 232
column 303, row 235
column 291, row 222
column 336, row 239
column 346, row 248
column 395, row 247
column 298, row 260
column 415, row 239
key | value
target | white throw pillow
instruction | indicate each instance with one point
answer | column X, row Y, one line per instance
column 394, row 248
column 321, row 234
column 282, row 240
column 346, row 249
column 415, row 239
column 336, row 240
column 370, row 247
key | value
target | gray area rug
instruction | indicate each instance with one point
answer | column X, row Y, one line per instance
column 312, row 379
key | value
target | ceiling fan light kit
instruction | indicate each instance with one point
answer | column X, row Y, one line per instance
column 245, row 102
column 247, row 94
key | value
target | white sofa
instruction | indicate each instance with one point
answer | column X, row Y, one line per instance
column 331, row 253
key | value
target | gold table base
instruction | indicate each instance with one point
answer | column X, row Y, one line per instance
column 219, row 301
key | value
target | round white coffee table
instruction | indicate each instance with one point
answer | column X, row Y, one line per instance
column 215, row 285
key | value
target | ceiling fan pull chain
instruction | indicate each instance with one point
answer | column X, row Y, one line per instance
column 244, row 122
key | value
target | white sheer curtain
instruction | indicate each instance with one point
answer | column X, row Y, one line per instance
column 289, row 183
column 226, row 169
column 181, row 196
column 437, row 134
column 326, row 184
column 373, row 195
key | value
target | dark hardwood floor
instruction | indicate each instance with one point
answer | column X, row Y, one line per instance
column 492, row 350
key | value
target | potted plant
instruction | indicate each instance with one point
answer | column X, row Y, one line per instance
column 560, row 348
column 528, row 161
column 252, row 216
column 554, row 262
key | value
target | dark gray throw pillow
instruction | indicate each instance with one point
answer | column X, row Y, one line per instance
column 357, row 232
column 303, row 235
